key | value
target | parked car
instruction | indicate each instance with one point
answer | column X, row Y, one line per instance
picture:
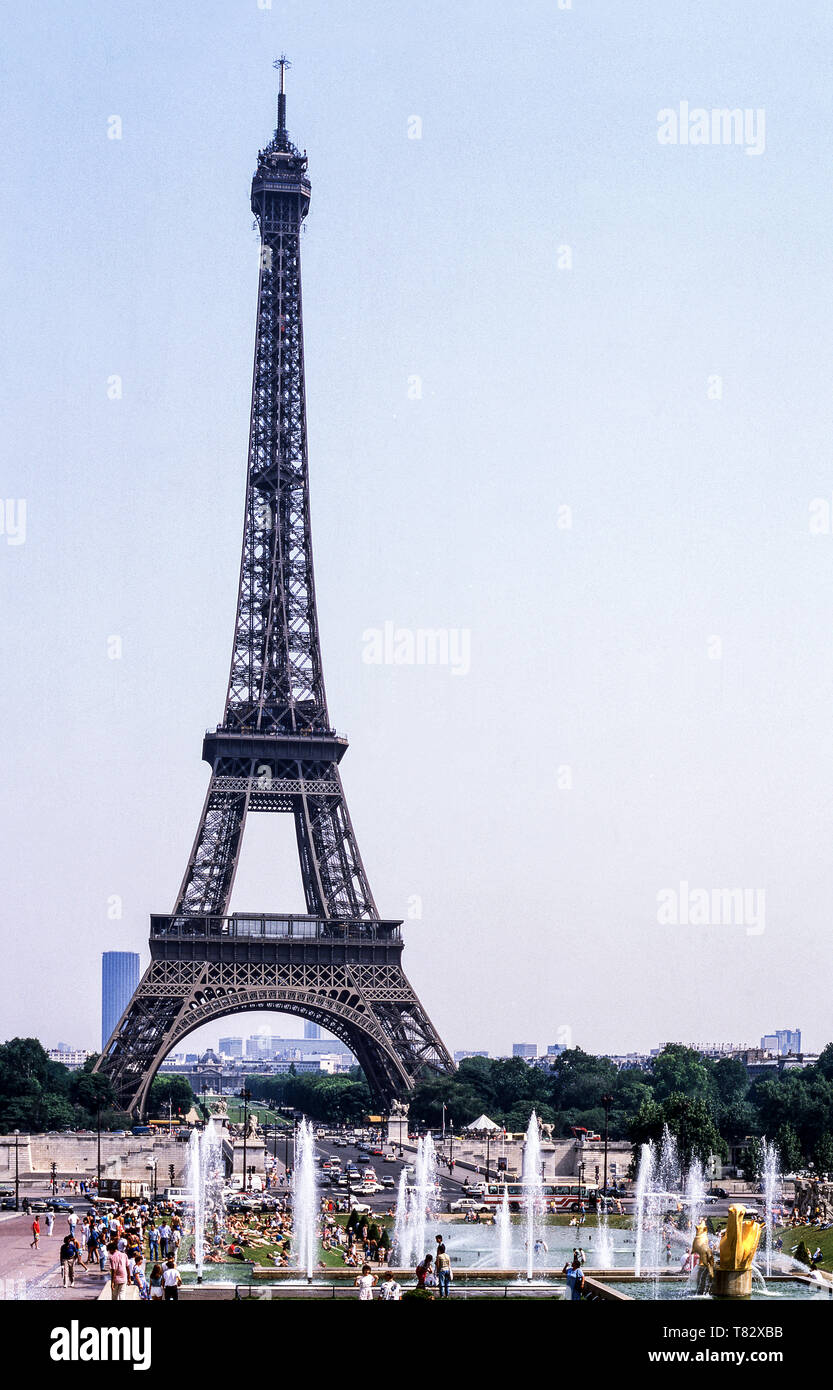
column 59, row 1204
column 717, row 1192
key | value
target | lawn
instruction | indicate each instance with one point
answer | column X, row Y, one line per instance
column 813, row 1238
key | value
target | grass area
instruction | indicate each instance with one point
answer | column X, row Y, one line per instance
column 813, row 1239
column 262, row 1112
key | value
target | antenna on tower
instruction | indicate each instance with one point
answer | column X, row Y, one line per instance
column 282, row 64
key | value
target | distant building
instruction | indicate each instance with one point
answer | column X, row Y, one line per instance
column 260, row 1046
column 69, row 1056
column 231, row 1047
column 556, row 1049
column 119, row 979
column 311, row 1030
column 782, row 1041
column 529, row 1051
column 461, row 1056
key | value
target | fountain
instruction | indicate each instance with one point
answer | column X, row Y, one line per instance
column 772, row 1192
column 304, row 1201
column 504, row 1231
column 402, row 1228
column 415, row 1206
column 533, row 1190
column 205, row 1183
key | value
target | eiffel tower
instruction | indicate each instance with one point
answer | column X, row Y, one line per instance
column 339, row 964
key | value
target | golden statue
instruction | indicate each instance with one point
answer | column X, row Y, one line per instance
column 732, row 1277
column 739, row 1241
column 700, row 1246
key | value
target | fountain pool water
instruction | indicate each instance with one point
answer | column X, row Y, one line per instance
column 533, row 1192
column 772, row 1196
column 305, row 1201
column 205, row 1184
column 504, row 1231
column 416, row 1205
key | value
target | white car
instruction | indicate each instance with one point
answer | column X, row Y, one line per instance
column 467, row 1204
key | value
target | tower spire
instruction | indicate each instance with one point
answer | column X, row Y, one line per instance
column 281, row 64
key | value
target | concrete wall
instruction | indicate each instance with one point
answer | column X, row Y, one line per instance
column 76, row 1156
column 560, row 1157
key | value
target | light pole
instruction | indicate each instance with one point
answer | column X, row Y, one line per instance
column 16, row 1173
column 245, row 1096
column 98, row 1148
column 488, row 1152
column 607, row 1101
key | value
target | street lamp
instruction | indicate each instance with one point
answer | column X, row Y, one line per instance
column 607, row 1101
column 488, row 1151
column 98, row 1147
column 245, row 1096
column 16, row 1173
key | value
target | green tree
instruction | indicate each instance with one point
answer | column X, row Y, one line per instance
column 823, row 1154
column 789, row 1148
column 679, row 1070
column 170, row 1091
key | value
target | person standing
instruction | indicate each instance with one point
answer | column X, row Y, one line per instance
column 118, row 1271
column 156, row 1287
column 171, row 1282
column 443, row 1268
column 364, row 1283
column 390, row 1291
column 50, row 1222
column 35, row 1234
column 68, row 1254
column 575, row 1279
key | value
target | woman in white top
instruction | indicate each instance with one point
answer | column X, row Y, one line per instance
column 364, row 1284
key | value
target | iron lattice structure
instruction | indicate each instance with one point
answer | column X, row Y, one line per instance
column 275, row 750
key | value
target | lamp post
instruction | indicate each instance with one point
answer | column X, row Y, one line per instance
column 16, row 1173
column 607, row 1101
column 488, row 1152
column 245, row 1096
column 98, row 1148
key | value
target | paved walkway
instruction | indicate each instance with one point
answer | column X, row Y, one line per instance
column 36, row 1274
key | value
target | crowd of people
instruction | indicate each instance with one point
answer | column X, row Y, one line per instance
column 131, row 1243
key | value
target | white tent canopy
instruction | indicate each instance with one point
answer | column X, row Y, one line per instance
column 481, row 1124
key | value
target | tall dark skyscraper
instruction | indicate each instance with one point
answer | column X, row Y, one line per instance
column 119, row 978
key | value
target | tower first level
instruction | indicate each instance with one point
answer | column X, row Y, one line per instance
column 345, row 976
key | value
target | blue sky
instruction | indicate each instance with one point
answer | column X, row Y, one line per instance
column 593, row 647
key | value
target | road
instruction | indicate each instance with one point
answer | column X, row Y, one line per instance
column 451, row 1186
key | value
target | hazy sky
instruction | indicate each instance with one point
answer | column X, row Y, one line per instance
column 651, row 671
